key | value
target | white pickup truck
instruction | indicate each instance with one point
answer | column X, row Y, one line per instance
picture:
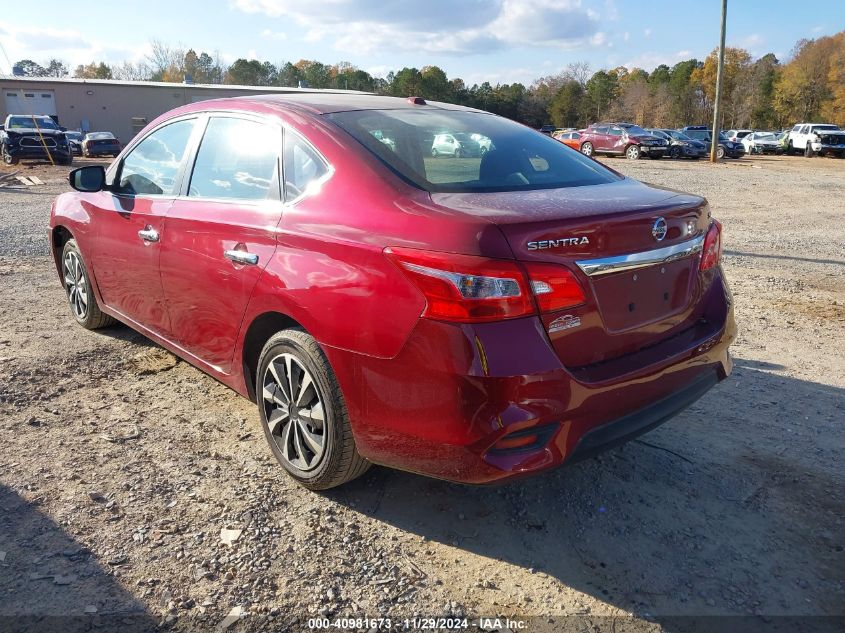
column 823, row 138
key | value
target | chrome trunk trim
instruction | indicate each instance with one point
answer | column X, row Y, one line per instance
column 619, row 263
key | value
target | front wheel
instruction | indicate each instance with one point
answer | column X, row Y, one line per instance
column 587, row 149
column 720, row 152
column 675, row 152
column 633, row 152
column 303, row 413
column 80, row 295
column 8, row 158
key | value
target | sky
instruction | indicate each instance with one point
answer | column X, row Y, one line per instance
column 500, row 41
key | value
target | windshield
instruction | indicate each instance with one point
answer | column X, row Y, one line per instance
column 76, row 136
column 680, row 136
column 826, row 127
column 45, row 123
column 99, row 136
column 764, row 136
column 434, row 150
column 635, row 130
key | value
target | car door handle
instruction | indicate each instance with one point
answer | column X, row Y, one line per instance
column 148, row 235
column 241, row 257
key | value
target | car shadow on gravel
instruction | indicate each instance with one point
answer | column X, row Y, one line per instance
column 49, row 582
column 732, row 508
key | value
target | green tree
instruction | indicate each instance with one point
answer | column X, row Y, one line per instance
column 601, row 88
column 566, row 108
column 28, row 68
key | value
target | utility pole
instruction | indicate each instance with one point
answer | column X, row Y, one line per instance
column 714, row 141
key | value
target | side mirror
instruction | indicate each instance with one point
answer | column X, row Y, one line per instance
column 88, row 179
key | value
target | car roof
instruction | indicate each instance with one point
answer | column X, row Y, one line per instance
column 320, row 103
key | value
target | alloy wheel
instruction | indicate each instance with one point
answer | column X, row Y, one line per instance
column 75, row 284
column 294, row 412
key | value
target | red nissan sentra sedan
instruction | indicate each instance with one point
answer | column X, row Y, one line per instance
column 474, row 318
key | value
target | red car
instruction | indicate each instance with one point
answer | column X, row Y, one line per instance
column 473, row 320
column 622, row 139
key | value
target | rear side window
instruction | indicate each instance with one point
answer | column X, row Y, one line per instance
column 304, row 167
column 153, row 165
column 484, row 153
column 237, row 159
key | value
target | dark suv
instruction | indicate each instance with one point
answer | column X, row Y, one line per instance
column 27, row 136
column 626, row 139
column 725, row 148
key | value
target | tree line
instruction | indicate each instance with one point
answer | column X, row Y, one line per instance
column 762, row 93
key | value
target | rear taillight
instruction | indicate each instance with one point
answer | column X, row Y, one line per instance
column 554, row 287
column 465, row 288
column 712, row 251
column 471, row 289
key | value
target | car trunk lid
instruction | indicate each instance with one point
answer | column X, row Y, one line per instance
column 634, row 248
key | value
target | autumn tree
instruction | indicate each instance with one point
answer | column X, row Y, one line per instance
column 93, row 71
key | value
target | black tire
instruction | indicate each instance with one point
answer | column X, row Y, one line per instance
column 459, row 153
column 632, row 152
column 790, row 150
column 8, row 159
column 339, row 461
column 720, row 152
column 434, row 153
column 67, row 161
column 675, row 152
column 88, row 315
column 587, row 149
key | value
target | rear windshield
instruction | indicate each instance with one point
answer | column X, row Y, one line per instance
column 449, row 151
column 99, row 136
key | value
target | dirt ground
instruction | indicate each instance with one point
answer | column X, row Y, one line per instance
column 121, row 466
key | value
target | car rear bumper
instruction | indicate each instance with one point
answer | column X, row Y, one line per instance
column 442, row 406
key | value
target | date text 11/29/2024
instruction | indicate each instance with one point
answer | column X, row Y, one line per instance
column 419, row 624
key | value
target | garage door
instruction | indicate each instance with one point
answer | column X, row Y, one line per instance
column 30, row 102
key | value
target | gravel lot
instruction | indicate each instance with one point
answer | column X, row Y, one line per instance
column 121, row 466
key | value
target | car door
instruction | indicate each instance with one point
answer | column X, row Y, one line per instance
column 128, row 221
column 599, row 138
column 615, row 140
column 221, row 233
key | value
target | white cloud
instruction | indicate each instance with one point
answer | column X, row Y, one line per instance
column 436, row 26
column 646, row 32
column 649, row 61
column 274, row 35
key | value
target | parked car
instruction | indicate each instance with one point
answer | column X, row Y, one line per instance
column 100, row 144
column 74, row 139
column 680, row 145
column 724, row 148
column 822, row 138
column 626, row 139
column 33, row 137
column 737, row 135
column 475, row 320
column 761, row 143
column 571, row 139
column 457, row 145
column 547, row 129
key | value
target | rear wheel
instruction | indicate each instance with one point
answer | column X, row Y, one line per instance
column 459, row 153
column 632, row 152
column 303, row 413
column 675, row 152
column 720, row 152
column 80, row 295
column 587, row 149
column 434, row 153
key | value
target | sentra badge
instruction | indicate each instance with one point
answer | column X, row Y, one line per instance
column 564, row 241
